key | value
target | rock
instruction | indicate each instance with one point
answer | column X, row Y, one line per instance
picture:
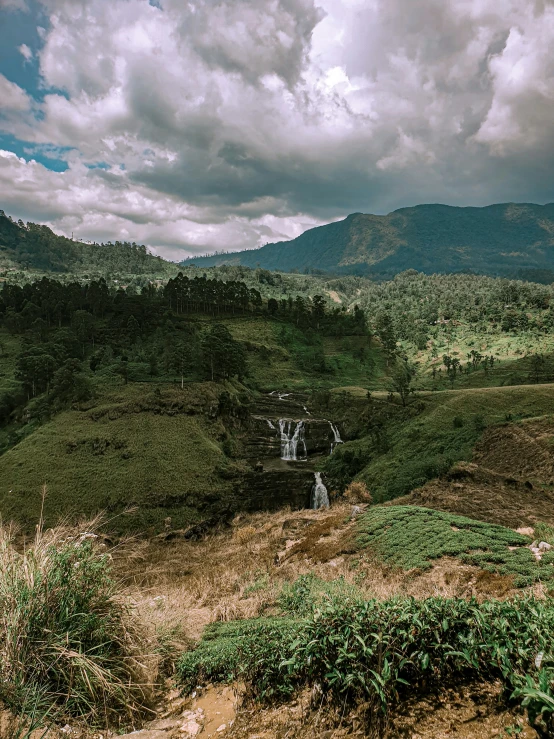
column 526, row 531
column 190, row 728
column 356, row 510
column 545, row 546
column 163, row 724
column 221, row 728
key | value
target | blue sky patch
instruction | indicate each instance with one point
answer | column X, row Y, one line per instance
column 51, row 157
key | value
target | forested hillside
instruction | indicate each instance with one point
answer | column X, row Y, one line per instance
column 37, row 248
column 506, row 239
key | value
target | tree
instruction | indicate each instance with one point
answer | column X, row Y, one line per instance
column 122, row 369
column 153, row 370
column 385, row 330
column 82, row 322
column 318, row 308
column 402, row 377
column 222, row 356
column 133, row 329
column 272, row 306
column 538, row 367
column 180, row 359
column 69, row 384
column 35, row 368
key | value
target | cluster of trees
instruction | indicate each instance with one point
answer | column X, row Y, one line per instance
column 73, row 331
column 416, row 306
column 37, row 247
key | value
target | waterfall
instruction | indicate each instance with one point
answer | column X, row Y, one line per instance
column 291, row 437
column 270, row 424
column 306, row 411
column 336, row 434
column 320, row 499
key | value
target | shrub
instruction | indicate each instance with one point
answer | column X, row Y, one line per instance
column 65, row 637
column 308, row 592
column 544, row 532
column 357, row 492
column 414, row 473
column 375, row 651
column 253, row 650
column 537, row 694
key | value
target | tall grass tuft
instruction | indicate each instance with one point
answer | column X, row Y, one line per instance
column 67, row 640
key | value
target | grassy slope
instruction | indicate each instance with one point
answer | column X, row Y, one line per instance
column 122, row 451
column 510, row 351
column 427, row 443
column 116, row 454
column 275, row 364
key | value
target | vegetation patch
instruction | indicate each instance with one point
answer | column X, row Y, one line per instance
column 411, row 537
column 68, row 646
column 252, row 650
column 375, row 651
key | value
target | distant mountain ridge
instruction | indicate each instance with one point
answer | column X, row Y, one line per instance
column 503, row 239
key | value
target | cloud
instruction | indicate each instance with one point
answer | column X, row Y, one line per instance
column 12, row 96
column 231, row 124
column 101, row 205
column 14, row 5
column 25, row 52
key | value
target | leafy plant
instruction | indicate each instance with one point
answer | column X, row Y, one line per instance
column 538, row 697
column 375, row 651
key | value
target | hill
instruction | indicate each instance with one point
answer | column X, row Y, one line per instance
column 37, row 248
column 506, row 239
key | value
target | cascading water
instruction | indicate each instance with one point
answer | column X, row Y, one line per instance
column 291, row 438
column 320, row 499
column 270, row 423
column 336, row 434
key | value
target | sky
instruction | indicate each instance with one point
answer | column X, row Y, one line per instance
column 201, row 125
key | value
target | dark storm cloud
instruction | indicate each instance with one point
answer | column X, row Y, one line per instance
column 226, row 125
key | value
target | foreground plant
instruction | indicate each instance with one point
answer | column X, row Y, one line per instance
column 375, row 651
column 67, row 641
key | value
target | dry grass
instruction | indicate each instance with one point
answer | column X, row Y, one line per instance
column 69, row 643
column 357, row 492
column 238, row 572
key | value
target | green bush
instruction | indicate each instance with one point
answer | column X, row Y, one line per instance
column 374, row 650
column 414, row 473
column 66, row 641
column 308, row 592
column 252, row 650
column 537, row 696
column 412, row 537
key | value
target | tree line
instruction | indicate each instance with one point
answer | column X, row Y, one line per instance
column 71, row 332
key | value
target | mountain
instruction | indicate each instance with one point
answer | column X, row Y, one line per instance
column 505, row 239
column 37, row 248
